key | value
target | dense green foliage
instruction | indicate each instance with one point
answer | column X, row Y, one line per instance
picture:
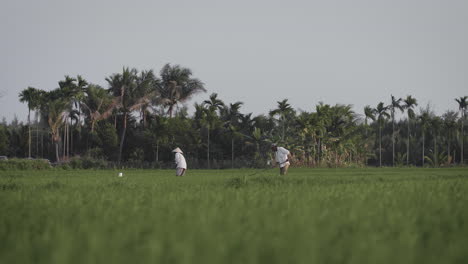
column 140, row 116
column 226, row 216
column 24, row 164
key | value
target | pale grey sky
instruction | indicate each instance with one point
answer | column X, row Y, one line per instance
column 259, row 52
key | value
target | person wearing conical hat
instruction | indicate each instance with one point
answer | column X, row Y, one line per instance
column 181, row 164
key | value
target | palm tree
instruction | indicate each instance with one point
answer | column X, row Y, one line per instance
column 409, row 103
column 305, row 124
column 147, row 88
column 98, row 104
column 424, row 119
column 231, row 116
column 177, row 86
column 31, row 97
column 69, row 92
column 435, row 124
column 54, row 111
column 341, row 130
column 214, row 104
column 284, row 109
column 210, row 118
column 395, row 104
column 78, row 98
column 450, row 123
column 369, row 113
column 124, row 86
column 381, row 112
column 462, row 105
column 323, row 113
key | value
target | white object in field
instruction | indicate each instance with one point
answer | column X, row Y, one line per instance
column 120, row 174
column 268, row 162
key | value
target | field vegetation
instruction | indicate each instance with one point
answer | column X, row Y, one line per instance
column 234, row 216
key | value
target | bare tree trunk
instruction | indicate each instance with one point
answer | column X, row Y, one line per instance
column 68, row 139
column 365, row 149
column 71, row 142
column 122, row 138
column 157, row 152
column 319, row 151
column 423, row 149
column 463, row 137
column 37, row 134
column 448, row 149
column 436, row 158
column 208, row 149
column 407, row 143
column 79, row 122
column 380, row 146
column 232, row 153
column 171, row 108
column 42, row 144
column 64, row 143
column 29, row 132
column 393, row 138
column 57, row 151
column 283, row 129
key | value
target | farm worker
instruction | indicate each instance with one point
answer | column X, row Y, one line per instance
column 282, row 157
column 181, row 165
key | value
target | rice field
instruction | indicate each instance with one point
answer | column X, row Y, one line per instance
column 231, row 216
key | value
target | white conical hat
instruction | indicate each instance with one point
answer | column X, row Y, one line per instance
column 177, row 150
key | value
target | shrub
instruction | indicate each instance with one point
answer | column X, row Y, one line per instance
column 25, row 164
column 87, row 162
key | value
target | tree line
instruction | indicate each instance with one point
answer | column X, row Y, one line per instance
column 140, row 116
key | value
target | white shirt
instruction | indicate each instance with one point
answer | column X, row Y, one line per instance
column 282, row 156
column 180, row 161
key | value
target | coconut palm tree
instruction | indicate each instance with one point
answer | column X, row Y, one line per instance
column 147, row 88
column 31, row 97
column 462, row 105
column 284, row 109
column 98, row 104
column 408, row 104
column 177, row 86
column 381, row 112
column 54, row 111
column 123, row 85
column 395, row 104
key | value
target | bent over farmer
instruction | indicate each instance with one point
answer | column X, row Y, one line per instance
column 181, row 164
column 282, row 157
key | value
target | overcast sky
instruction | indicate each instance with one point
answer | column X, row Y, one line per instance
column 258, row 52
